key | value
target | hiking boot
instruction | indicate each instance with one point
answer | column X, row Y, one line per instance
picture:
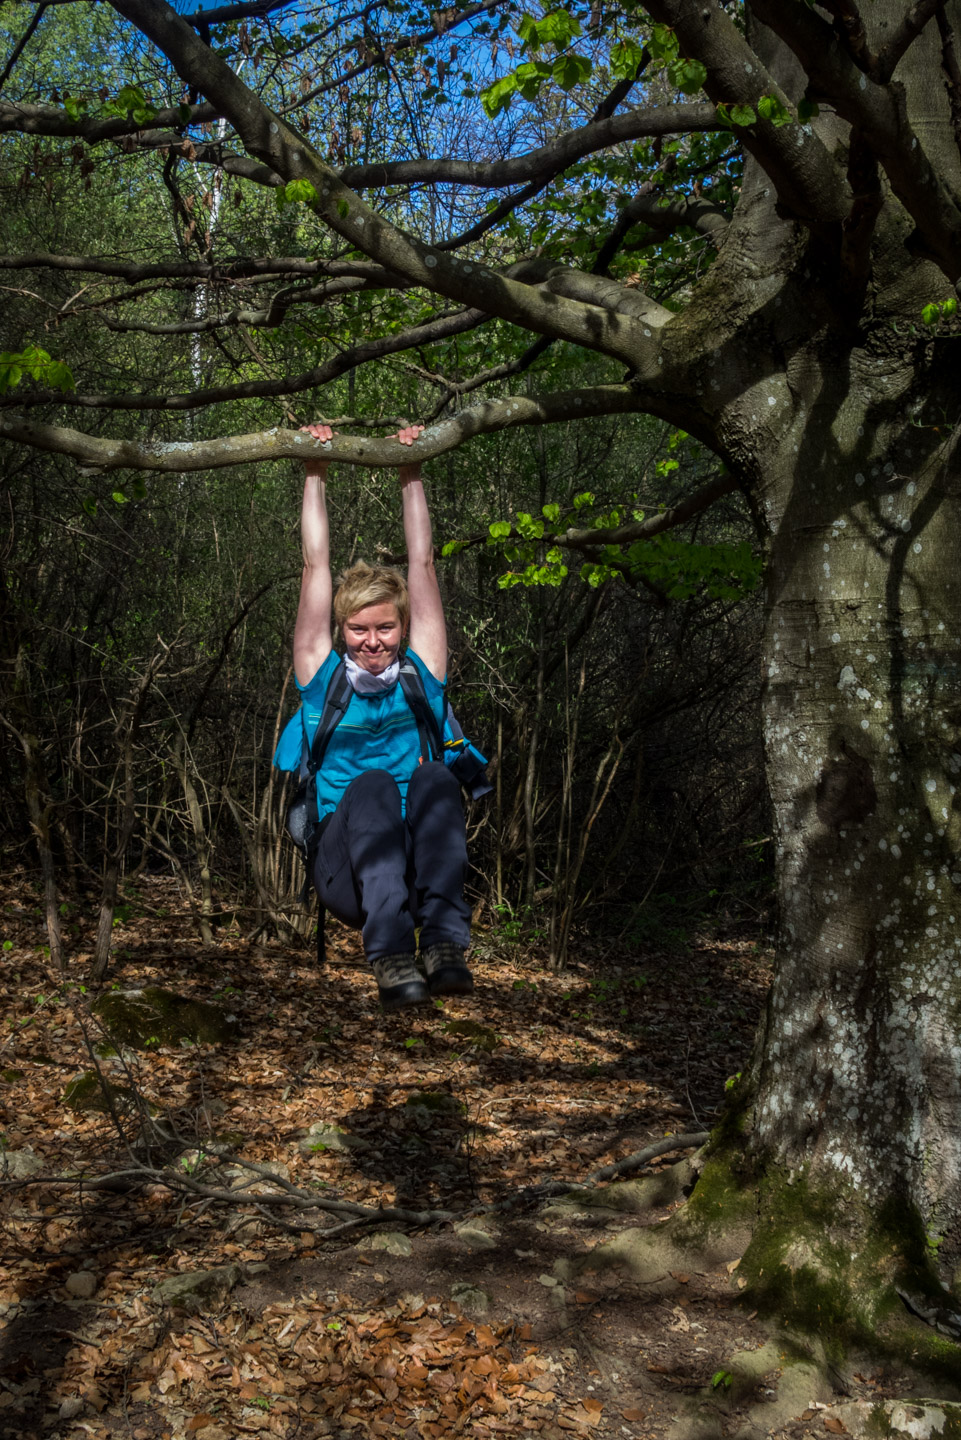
column 447, row 973
column 399, row 982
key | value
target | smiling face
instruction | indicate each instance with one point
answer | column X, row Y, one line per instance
column 373, row 637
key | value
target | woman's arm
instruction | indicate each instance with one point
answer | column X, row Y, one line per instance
column 428, row 630
column 312, row 633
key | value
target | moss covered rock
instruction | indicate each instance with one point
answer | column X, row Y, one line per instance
column 481, row 1037
column 94, row 1094
column 322, row 1136
column 472, row 1299
column 199, row 1290
column 392, row 1242
column 153, row 1016
column 900, row 1419
column 19, row 1164
column 435, row 1102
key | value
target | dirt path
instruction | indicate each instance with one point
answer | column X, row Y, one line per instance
column 491, row 1324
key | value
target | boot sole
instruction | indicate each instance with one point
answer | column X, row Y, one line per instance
column 400, row 997
column 454, row 981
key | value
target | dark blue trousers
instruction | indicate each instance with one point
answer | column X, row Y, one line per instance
column 385, row 873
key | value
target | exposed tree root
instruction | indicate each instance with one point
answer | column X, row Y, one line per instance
column 836, row 1285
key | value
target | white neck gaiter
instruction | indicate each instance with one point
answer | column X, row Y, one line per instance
column 364, row 683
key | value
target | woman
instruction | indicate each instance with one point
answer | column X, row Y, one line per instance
column 393, row 853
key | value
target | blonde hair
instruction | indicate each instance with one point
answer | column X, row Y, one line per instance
column 364, row 585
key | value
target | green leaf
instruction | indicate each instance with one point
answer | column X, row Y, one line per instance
column 343, row 209
column 571, row 70
column 806, row 110
column 624, row 60
column 119, row 497
column 59, row 376
column 687, row 75
column 743, row 115
column 949, row 307
column 131, row 101
column 38, row 365
column 551, row 513
column 596, row 575
column 295, row 192
column 662, row 44
column 770, row 108
column 930, row 315
column 531, row 76
column 527, row 31
column 559, row 28
column 500, row 529
column 498, row 96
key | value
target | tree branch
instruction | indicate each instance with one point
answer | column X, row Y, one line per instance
column 849, row 27
column 952, row 74
column 21, row 45
column 664, row 520
column 96, row 453
column 268, row 317
column 51, row 120
column 224, row 14
column 225, row 271
column 375, row 349
column 904, row 37
column 547, row 160
column 650, row 1152
column 879, row 113
column 700, row 215
column 805, row 176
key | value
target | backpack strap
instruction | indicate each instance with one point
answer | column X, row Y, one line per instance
column 336, row 701
column 428, row 730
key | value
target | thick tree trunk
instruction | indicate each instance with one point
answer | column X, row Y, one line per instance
column 858, row 1080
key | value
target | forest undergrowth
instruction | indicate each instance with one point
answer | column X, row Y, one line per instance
column 451, row 1309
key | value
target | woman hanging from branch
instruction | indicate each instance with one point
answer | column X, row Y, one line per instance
column 392, row 849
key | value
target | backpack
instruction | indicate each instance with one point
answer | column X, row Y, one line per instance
column 303, row 822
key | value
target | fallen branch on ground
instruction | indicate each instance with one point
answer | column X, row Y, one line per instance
column 650, row 1152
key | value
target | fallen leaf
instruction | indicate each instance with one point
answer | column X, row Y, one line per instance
column 836, row 1426
column 632, row 1414
column 198, row 1422
column 680, row 1277
column 584, row 1297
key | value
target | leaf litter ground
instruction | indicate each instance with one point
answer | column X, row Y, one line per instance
column 469, row 1326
